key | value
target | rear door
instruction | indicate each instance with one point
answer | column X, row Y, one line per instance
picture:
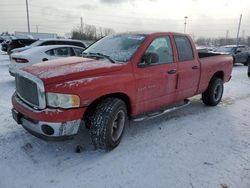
column 156, row 82
column 188, row 68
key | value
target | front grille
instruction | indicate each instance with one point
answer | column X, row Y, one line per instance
column 27, row 90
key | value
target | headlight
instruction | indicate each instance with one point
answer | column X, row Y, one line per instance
column 62, row 100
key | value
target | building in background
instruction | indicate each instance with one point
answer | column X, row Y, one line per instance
column 35, row 35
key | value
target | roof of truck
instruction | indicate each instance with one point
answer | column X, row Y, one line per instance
column 150, row 32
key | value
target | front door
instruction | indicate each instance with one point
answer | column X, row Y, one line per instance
column 156, row 79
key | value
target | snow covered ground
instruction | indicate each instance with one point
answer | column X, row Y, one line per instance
column 195, row 147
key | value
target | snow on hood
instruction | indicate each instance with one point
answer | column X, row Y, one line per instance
column 70, row 68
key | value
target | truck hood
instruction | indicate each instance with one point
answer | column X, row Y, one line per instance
column 71, row 68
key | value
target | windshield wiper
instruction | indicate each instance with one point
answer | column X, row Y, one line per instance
column 92, row 54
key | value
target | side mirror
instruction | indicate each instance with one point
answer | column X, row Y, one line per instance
column 151, row 58
column 44, row 59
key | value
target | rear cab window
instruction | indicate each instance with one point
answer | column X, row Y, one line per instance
column 184, row 48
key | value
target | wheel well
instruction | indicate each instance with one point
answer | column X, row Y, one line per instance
column 93, row 105
column 219, row 74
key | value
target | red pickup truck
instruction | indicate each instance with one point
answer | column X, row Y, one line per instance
column 136, row 75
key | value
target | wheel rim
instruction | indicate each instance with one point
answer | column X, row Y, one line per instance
column 117, row 125
column 217, row 92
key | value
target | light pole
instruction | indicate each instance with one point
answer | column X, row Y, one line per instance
column 185, row 23
column 28, row 18
column 238, row 32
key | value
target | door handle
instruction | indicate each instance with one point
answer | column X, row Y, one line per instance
column 172, row 71
column 195, row 67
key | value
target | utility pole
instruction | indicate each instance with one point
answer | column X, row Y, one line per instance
column 36, row 28
column 237, row 39
column 28, row 18
column 185, row 23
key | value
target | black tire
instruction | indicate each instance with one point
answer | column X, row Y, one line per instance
column 212, row 96
column 108, row 123
column 247, row 62
column 87, row 122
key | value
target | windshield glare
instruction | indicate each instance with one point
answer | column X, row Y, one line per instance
column 117, row 47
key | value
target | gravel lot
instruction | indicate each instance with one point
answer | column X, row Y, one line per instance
column 195, row 147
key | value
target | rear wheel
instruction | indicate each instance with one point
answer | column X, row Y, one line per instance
column 212, row 96
column 107, row 123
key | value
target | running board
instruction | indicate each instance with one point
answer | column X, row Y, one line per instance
column 159, row 113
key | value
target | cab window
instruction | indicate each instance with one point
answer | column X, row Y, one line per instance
column 184, row 48
column 161, row 51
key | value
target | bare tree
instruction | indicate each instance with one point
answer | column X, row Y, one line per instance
column 221, row 41
column 90, row 32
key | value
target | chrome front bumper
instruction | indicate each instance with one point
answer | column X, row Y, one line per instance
column 48, row 130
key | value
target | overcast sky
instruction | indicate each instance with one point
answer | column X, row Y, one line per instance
column 208, row 18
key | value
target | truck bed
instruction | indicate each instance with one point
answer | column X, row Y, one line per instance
column 212, row 63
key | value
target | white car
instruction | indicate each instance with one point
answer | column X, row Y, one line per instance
column 41, row 53
column 48, row 42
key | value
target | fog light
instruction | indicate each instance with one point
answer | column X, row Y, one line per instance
column 47, row 130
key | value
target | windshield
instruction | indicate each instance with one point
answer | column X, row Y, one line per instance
column 117, row 47
column 225, row 49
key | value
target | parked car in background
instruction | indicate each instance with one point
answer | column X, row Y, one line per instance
column 1, row 39
column 40, row 54
column 18, row 43
column 47, row 42
column 4, row 45
column 240, row 53
column 88, row 42
column 205, row 49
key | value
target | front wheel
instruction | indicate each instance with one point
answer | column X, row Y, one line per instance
column 108, row 122
column 212, row 96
